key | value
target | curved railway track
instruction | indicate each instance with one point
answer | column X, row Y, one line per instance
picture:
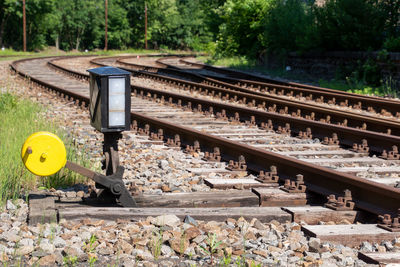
column 371, row 103
column 277, row 91
column 377, row 141
column 318, row 179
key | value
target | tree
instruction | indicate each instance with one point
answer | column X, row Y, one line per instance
column 350, row 25
column 8, row 8
column 242, row 27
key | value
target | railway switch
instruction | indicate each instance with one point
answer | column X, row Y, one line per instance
column 44, row 154
column 110, row 110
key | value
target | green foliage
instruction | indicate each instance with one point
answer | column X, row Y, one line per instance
column 289, row 26
column 90, row 247
column 249, row 28
column 7, row 102
column 392, row 44
column 226, row 261
column 14, row 178
column 350, row 25
column 242, row 27
column 156, row 244
column 70, row 261
column 212, row 245
column 388, row 87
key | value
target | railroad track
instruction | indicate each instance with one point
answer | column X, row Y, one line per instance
column 324, row 168
column 315, row 177
column 388, row 107
column 281, row 114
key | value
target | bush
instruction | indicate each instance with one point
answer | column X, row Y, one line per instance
column 242, row 27
column 350, row 25
column 289, row 26
column 392, row 44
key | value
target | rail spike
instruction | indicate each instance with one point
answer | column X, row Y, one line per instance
column 235, row 119
column 361, row 148
column 239, row 165
column 214, row 156
column 159, row 136
column 297, row 186
column 134, row 126
column 176, row 142
column 251, row 122
column 341, row 203
column 222, row 115
column 145, row 131
column 391, row 155
column 267, row 126
column 331, row 141
column 193, row 149
column 268, row 177
column 388, row 223
column 305, row 135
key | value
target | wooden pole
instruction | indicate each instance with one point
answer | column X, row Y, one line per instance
column 24, row 23
column 106, row 15
column 145, row 25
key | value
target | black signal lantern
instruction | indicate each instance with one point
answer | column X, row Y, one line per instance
column 110, row 99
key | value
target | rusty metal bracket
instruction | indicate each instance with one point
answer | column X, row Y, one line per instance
column 235, row 119
column 239, row 165
column 176, row 142
column 251, row 122
column 305, row 135
column 268, row 177
column 213, row 157
column 341, row 203
column 297, row 186
column 159, row 136
column 113, row 183
column 145, row 131
column 361, row 148
column 134, row 126
column 267, row 126
column 391, row 155
column 221, row 115
column 331, row 141
column 388, row 223
column 284, row 130
column 193, row 149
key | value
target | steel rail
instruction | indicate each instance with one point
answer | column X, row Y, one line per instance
column 288, row 106
column 272, row 81
column 376, row 103
column 377, row 142
column 369, row 196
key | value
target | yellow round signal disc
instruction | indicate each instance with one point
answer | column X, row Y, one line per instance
column 43, row 153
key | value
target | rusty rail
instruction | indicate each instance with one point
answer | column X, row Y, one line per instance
column 370, row 196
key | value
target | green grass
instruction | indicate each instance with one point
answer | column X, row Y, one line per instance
column 245, row 64
column 19, row 118
column 386, row 89
column 8, row 54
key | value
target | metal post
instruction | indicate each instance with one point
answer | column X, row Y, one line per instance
column 106, row 15
column 145, row 25
column 110, row 150
column 24, row 23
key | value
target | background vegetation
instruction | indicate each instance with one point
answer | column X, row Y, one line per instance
column 224, row 27
column 15, row 179
column 249, row 30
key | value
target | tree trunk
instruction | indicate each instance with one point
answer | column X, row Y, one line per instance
column 77, row 43
column 58, row 42
column 3, row 22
